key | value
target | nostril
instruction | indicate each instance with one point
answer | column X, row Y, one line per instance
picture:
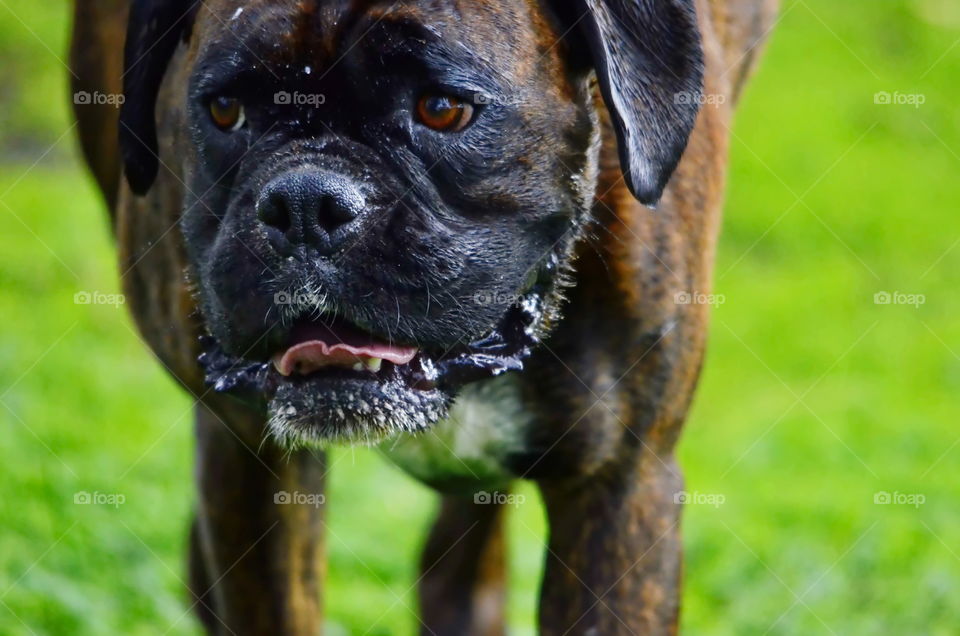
column 335, row 211
column 274, row 212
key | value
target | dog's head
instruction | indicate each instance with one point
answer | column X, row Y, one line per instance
column 383, row 196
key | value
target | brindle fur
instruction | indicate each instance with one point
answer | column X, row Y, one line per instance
column 613, row 385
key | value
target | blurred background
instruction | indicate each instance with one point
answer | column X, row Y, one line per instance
column 822, row 456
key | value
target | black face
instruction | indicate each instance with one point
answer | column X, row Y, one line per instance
column 382, row 196
column 378, row 208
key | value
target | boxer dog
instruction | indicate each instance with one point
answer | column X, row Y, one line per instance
column 468, row 231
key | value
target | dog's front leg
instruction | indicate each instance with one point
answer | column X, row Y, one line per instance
column 258, row 532
column 614, row 559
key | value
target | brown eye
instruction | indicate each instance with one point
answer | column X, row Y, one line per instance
column 227, row 113
column 444, row 113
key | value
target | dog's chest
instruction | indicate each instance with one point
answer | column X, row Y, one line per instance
column 470, row 450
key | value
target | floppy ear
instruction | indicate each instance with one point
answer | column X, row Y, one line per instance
column 649, row 64
column 154, row 30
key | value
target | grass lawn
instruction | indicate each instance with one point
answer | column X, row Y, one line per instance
column 817, row 403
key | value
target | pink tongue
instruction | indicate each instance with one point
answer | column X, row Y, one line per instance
column 317, row 346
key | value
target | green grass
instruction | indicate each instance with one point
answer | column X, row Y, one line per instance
column 813, row 397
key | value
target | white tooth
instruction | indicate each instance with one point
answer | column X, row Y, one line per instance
column 276, row 365
column 373, row 364
column 358, row 366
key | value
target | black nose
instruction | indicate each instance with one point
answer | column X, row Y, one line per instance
column 314, row 208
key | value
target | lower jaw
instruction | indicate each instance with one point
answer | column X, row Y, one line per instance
column 336, row 404
column 345, row 405
column 351, row 410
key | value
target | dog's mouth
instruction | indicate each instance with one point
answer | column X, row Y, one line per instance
column 331, row 348
column 321, row 344
column 333, row 380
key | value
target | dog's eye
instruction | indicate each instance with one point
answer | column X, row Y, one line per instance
column 444, row 113
column 227, row 113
